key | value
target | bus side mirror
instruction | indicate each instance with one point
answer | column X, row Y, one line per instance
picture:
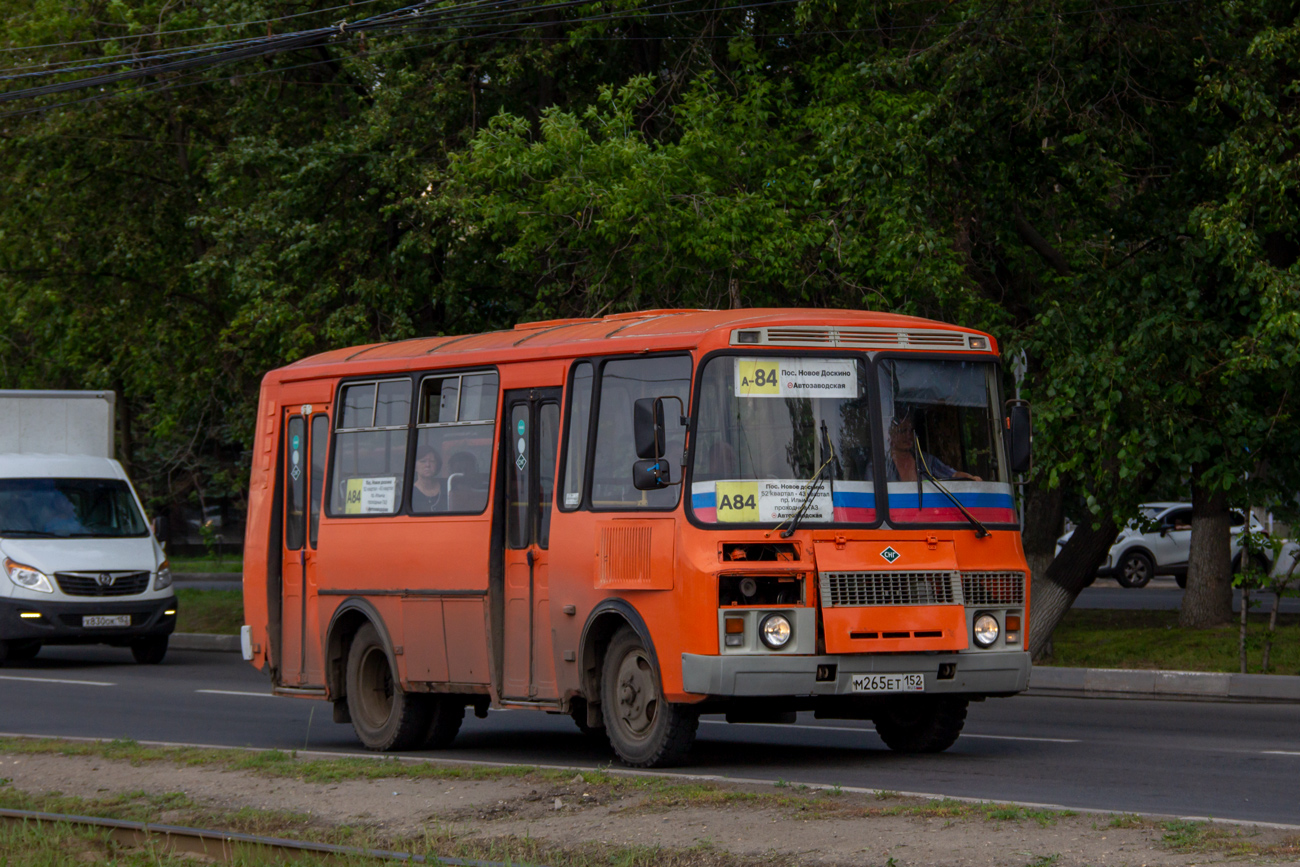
column 1020, row 436
column 651, row 475
column 648, row 425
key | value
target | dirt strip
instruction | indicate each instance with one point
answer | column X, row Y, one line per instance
column 754, row 824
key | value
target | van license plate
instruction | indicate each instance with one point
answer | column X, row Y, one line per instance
column 106, row 620
column 888, row 683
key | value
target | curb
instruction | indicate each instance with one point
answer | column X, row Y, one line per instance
column 1173, row 685
column 203, row 641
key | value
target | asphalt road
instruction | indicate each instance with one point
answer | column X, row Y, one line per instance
column 1236, row 761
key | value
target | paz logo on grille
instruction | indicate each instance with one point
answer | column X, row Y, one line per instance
column 105, row 580
column 890, row 554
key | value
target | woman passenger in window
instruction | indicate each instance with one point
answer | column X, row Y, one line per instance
column 426, row 494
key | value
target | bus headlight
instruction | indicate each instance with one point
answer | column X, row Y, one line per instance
column 986, row 630
column 27, row 577
column 775, row 630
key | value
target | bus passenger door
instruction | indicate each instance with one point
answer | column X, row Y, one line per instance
column 530, row 443
column 305, row 442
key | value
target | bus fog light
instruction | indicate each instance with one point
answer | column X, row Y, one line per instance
column 775, row 631
column 986, row 630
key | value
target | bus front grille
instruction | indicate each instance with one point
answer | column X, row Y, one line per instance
column 993, row 588
column 867, row 589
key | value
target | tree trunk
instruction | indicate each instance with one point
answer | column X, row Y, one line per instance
column 1052, row 595
column 1044, row 512
column 1208, row 600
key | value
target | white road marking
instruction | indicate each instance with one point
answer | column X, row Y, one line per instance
column 1281, row 753
column 235, row 692
column 718, row 722
column 57, row 680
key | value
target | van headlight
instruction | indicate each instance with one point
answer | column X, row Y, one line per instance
column 164, row 577
column 775, row 630
column 28, row 578
column 986, row 630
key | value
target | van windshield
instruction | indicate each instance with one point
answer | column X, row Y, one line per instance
column 68, row 508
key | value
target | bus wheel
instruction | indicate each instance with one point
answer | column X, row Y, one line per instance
column 447, row 713
column 384, row 716
column 645, row 730
column 921, row 725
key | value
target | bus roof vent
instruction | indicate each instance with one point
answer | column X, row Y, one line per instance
column 851, row 337
column 801, row 336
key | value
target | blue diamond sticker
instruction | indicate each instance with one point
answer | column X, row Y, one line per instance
column 890, row 554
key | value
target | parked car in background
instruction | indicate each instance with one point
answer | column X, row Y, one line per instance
column 1137, row 555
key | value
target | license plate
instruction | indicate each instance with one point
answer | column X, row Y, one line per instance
column 888, row 683
column 106, row 620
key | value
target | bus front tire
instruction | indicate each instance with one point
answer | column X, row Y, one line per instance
column 149, row 651
column 384, row 716
column 921, row 725
column 645, row 730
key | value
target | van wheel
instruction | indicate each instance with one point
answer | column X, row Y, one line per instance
column 921, row 725
column 645, row 730
column 22, row 651
column 446, row 714
column 1135, row 570
column 384, row 716
column 148, row 651
column 1181, row 581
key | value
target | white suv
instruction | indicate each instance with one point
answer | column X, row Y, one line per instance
column 1136, row 556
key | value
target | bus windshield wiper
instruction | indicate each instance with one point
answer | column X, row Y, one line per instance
column 40, row 533
column 814, row 484
column 980, row 530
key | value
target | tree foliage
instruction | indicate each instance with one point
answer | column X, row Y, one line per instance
column 1109, row 188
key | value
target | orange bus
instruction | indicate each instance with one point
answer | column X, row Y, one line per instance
column 639, row 518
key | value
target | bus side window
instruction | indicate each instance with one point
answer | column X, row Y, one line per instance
column 457, row 416
column 369, row 459
column 622, row 383
column 575, row 461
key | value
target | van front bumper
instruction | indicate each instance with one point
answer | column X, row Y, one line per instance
column 62, row 622
column 989, row 673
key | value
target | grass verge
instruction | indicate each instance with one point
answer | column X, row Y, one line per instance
column 217, row 612
column 1089, row 638
column 206, row 564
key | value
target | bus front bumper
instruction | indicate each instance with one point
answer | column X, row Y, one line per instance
column 973, row 673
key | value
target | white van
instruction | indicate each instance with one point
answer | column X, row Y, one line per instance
column 80, row 563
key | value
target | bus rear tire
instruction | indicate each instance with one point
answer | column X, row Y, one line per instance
column 921, row 725
column 384, row 716
column 645, row 730
column 446, row 714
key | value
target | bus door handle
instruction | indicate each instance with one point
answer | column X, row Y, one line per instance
column 531, row 559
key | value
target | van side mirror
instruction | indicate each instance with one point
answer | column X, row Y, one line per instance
column 651, row 475
column 648, row 426
column 1020, row 436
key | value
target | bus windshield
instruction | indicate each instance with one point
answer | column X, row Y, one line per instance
column 68, row 508
column 943, row 442
column 777, row 435
column 767, row 426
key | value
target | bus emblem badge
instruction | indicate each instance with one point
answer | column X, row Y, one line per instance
column 106, row 580
column 890, row 554
column 521, row 462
